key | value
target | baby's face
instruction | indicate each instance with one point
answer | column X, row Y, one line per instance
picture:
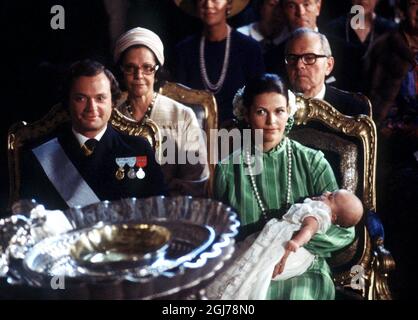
column 330, row 199
column 346, row 208
column 336, row 201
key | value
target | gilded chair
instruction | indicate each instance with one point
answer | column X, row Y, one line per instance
column 203, row 103
column 22, row 133
column 360, row 270
column 148, row 130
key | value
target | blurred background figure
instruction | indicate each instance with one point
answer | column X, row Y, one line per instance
column 392, row 73
column 392, row 69
column 219, row 58
column 268, row 29
column 356, row 41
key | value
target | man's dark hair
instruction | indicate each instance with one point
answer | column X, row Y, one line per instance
column 88, row 68
column 265, row 83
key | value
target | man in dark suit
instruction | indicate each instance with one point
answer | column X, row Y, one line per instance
column 309, row 61
column 88, row 161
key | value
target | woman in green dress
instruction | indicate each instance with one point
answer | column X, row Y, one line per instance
column 288, row 172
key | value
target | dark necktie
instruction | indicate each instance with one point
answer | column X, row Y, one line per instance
column 88, row 146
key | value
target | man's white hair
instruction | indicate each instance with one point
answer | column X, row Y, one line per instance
column 301, row 32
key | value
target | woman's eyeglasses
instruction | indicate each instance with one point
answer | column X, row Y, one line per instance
column 146, row 69
column 307, row 58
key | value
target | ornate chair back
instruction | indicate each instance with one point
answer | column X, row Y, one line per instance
column 204, row 105
column 349, row 144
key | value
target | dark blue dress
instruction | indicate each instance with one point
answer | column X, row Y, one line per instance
column 245, row 62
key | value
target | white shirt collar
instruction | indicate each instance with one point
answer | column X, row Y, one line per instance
column 82, row 139
column 252, row 31
column 321, row 93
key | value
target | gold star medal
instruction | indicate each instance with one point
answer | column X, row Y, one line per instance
column 120, row 173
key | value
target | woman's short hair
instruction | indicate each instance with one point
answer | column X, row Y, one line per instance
column 265, row 83
column 88, row 68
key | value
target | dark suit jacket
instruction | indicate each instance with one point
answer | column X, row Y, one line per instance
column 98, row 169
column 347, row 103
column 274, row 60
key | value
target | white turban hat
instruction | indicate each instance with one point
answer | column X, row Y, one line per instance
column 140, row 36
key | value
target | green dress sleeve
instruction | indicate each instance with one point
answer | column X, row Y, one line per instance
column 323, row 178
column 220, row 184
column 336, row 238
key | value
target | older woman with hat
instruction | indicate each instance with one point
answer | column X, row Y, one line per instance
column 140, row 54
column 218, row 59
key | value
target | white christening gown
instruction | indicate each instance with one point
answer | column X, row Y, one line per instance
column 249, row 275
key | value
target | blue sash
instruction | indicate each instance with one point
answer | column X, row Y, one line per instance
column 63, row 175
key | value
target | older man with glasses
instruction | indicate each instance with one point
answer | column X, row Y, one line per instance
column 309, row 61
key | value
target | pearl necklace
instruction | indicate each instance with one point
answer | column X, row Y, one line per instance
column 149, row 109
column 289, row 178
column 203, row 72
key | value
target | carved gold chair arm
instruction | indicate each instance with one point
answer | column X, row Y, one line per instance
column 369, row 263
column 148, row 129
column 382, row 264
column 385, row 257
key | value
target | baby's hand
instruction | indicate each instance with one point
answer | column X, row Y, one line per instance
column 291, row 246
column 279, row 267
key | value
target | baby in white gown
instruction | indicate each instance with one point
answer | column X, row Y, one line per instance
column 276, row 253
